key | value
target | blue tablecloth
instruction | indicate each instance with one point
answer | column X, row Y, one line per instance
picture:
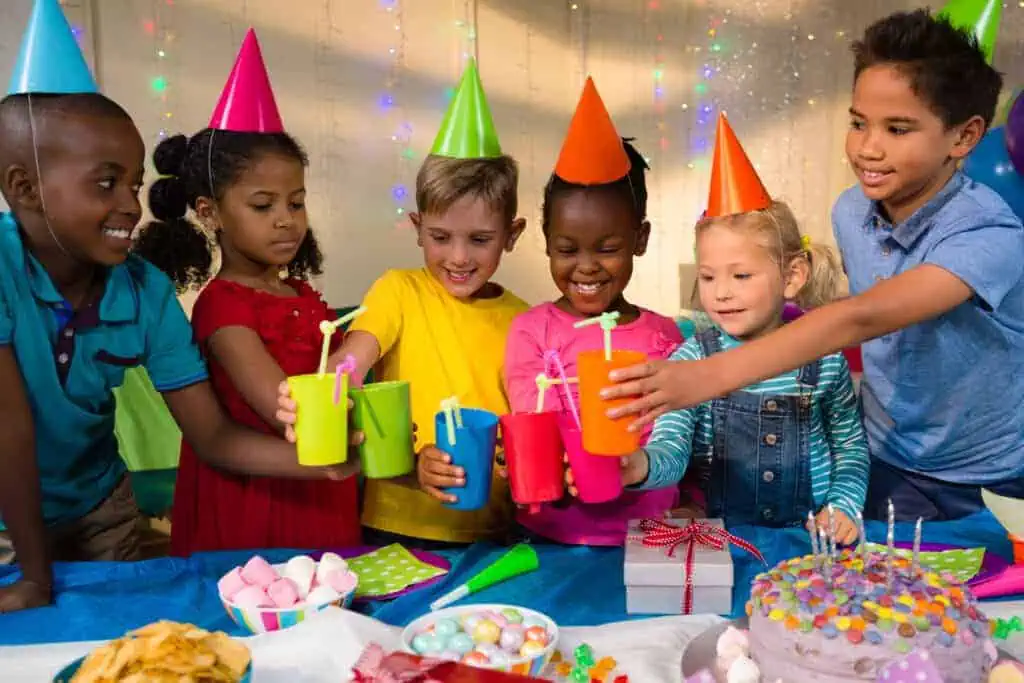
column 575, row 586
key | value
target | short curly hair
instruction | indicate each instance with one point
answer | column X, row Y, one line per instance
column 207, row 163
column 944, row 64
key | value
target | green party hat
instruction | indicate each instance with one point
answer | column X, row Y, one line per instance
column 980, row 17
column 467, row 131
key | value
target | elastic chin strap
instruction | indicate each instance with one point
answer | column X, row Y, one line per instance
column 39, row 177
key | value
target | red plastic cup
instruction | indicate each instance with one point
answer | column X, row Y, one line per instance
column 533, row 452
column 598, row 478
column 854, row 359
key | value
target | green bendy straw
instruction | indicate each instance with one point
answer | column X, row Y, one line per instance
column 520, row 559
column 608, row 322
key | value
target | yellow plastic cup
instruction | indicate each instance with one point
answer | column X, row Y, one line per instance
column 321, row 426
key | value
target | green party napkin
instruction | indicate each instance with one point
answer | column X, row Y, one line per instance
column 963, row 563
column 390, row 569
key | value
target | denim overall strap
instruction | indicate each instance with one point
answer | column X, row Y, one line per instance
column 759, row 469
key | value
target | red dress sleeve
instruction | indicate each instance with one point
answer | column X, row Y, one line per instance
column 223, row 304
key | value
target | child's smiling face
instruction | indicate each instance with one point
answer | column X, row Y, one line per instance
column 741, row 287
column 462, row 247
column 91, row 173
column 900, row 149
column 592, row 238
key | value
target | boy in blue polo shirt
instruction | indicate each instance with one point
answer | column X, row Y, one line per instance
column 935, row 263
column 76, row 310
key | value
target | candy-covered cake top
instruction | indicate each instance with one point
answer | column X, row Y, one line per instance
column 851, row 598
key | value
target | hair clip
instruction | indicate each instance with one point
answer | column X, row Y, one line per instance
column 805, row 243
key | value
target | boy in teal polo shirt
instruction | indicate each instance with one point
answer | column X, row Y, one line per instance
column 936, row 276
column 76, row 310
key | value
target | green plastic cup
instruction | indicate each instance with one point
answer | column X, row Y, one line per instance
column 383, row 413
column 321, row 427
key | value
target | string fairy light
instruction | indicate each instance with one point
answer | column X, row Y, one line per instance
column 391, row 104
column 159, row 27
column 579, row 30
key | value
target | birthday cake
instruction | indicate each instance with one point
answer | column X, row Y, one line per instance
column 846, row 620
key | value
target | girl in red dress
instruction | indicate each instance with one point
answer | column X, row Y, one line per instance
column 257, row 322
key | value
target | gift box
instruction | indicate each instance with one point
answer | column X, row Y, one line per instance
column 377, row 666
column 679, row 566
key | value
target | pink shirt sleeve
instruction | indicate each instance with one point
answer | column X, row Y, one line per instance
column 524, row 360
column 669, row 336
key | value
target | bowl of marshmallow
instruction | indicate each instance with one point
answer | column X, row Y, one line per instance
column 262, row 597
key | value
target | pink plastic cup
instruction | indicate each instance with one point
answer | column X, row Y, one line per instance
column 598, row 478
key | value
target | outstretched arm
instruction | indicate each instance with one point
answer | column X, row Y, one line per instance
column 20, row 499
column 919, row 294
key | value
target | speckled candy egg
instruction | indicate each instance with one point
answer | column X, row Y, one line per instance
column 512, row 638
column 476, row 659
column 470, row 621
column 446, row 628
column 513, row 616
column 537, row 633
column 460, row 642
column 486, row 632
column 427, row 643
column 531, row 649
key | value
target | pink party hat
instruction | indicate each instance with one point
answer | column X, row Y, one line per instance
column 247, row 103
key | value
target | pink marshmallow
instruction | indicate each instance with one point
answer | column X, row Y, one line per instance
column 343, row 581
column 283, row 593
column 252, row 596
column 257, row 572
column 231, row 583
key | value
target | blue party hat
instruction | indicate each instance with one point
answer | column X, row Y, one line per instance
column 50, row 60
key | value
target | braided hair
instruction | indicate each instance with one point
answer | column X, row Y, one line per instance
column 206, row 165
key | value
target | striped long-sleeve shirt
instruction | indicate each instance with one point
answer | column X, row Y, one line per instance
column 838, row 448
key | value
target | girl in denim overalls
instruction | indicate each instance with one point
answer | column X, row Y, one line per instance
column 787, row 446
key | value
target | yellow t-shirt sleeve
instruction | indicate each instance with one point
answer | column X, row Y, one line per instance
column 383, row 315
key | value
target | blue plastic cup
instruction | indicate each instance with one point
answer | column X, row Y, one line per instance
column 473, row 451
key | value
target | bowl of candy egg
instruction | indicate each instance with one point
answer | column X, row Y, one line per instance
column 262, row 597
column 498, row 637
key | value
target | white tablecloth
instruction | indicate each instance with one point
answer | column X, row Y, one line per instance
column 323, row 649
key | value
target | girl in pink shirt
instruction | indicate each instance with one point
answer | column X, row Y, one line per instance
column 592, row 233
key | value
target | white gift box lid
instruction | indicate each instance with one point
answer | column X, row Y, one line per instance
column 651, row 566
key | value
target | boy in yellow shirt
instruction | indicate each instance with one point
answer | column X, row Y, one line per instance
column 442, row 327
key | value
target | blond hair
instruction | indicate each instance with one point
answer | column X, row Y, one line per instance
column 779, row 233
column 442, row 181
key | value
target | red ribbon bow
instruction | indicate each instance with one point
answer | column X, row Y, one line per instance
column 377, row 666
column 655, row 533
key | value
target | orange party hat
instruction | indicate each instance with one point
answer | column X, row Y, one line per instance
column 592, row 153
column 735, row 185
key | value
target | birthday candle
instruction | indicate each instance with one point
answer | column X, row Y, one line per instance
column 826, row 560
column 915, row 558
column 889, row 542
column 863, row 538
column 831, row 530
column 812, row 528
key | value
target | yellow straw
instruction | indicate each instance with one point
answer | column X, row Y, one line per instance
column 450, row 406
column 328, row 328
column 608, row 321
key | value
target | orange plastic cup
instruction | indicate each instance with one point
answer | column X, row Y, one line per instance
column 1018, row 549
column 601, row 434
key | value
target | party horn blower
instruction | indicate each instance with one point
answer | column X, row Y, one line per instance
column 608, row 322
column 328, row 328
column 520, row 559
